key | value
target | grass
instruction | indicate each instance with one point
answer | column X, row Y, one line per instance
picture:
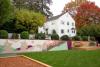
column 71, row 58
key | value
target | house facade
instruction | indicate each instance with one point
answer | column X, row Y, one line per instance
column 62, row 24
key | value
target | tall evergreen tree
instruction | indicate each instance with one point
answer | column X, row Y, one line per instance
column 36, row 5
column 5, row 11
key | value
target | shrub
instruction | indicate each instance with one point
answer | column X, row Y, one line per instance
column 3, row 34
column 40, row 36
column 84, row 38
column 92, row 38
column 14, row 36
column 76, row 38
column 24, row 35
column 64, row 37
column 54, row 36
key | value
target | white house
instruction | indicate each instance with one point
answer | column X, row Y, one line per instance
column 63, row 24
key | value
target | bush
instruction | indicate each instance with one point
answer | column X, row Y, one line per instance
column 3, row 34
column 76, row 38
column 24, row 35
column 40, row 36
column 84, row 38
column 64, row 37
column 14, row 36
column 54, row 36
column 92, row 38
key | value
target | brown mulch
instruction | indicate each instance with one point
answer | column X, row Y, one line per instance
column 88, row 48
column 18, row 62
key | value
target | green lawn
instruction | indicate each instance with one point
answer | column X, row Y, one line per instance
column 71, row 58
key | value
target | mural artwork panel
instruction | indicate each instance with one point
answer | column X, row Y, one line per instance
column 20, row 46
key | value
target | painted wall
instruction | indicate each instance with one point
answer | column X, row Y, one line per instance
column 17, row 45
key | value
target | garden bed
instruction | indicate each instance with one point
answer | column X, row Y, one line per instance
column 20, row 61
column 88, row 48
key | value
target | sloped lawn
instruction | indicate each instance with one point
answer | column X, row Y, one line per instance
column 71, row 58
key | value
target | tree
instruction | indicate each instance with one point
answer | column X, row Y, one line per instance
column 35, row 5
column 10, row 25
column 65, row 37
column 89, row 30
column 72, row 6
column 40, row 36
column 87, row 13
column 29, row 20
column 24, row 35
column 5, row 11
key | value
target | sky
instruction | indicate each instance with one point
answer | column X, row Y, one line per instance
column 57, row 6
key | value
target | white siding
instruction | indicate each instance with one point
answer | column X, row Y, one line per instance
column 58, row 26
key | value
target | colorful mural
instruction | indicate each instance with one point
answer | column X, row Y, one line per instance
column 17, row 45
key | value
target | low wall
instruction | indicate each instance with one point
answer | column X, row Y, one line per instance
column 18, row 46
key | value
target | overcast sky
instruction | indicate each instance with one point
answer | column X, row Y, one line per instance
column 58, row 5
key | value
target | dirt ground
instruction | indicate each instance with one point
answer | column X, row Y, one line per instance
column 19, row 62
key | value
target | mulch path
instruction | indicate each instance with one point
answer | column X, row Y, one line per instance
column 18, row 62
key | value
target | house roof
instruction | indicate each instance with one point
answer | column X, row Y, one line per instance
column 55, row 17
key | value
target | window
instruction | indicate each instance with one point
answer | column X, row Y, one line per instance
column 73, row 30
column 47, row 31
column 68, row 30
column 62, row 31
column 67, row 23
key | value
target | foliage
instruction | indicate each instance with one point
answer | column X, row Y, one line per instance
column 5, row 11
column 14, row 36
column 92, row 38
column 64, row 37
column 89, row 30
column 84, row 38
column 28, row 20
column 87, row 13
column 3, row 34
column 24, row 35
column 9, row 26
column 40, row 36
column 76, row 38
column 35, row 5
column 73, row 4
column 54, row 36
